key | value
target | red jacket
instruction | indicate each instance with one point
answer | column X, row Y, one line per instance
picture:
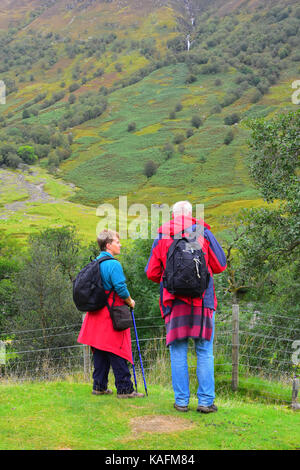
column 214, row 256
column 97, row 331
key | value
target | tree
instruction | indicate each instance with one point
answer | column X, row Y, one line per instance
column 269, row 247
column 26, row 153
column 275, row 156
column 229, row 137
column 196, row 121
column 150, row 168
column 231, row 119
column 25, row 114
column 131, row 127
column 44, row 288
column 169, row 150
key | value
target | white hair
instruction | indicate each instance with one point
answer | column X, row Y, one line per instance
column 182, row 208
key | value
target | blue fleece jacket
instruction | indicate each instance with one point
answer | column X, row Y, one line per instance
column 112, row 275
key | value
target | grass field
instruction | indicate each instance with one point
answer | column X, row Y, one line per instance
column 64, row 415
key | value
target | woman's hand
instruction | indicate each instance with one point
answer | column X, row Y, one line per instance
column 130, row 302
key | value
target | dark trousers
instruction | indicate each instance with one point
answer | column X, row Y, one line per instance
column 102, row 362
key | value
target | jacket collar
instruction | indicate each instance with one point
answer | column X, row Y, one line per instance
column 180, row 223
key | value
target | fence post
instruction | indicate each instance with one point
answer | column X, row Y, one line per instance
column 86, row 359
column 295, row 404
column 235, row 347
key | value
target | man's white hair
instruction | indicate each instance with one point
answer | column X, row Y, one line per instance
column 182, row 208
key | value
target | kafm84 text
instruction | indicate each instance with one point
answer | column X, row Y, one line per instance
column 170, row 459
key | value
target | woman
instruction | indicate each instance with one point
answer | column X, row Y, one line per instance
column 110, row 347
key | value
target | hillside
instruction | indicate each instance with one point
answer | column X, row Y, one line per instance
column 100, row 89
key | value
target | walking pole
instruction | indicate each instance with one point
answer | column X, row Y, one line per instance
column 133, row 369
column 138, row 346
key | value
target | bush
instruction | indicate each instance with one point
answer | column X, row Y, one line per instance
column 72, row 98
column 232, row 119
column 73, row 87
column 216, row 109
column 168, row 150
column 229, row 138
column 256, row 96
column 196, row 121
column 191, row 78
column 178, row 139
column 178, row 107
column 131, row 127
column 26, row 153
column 150, row 168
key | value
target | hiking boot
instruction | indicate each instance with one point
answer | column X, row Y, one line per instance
column 102, row 392
column 183, row 409
column 130, row 395
column 207, row 409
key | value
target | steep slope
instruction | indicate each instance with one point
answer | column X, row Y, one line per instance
column 101, row 89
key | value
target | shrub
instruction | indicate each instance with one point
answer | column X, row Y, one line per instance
column 131, row 127
column 26, row 153
column 150, row 168
column 25, row 114
column 232, row 119
column 191, row 78
column 72, row 98
column 196, row 121
column 168, row 150
column 178, row 139
column 216, row 109
column 73, row 87
column 256, row 96
column 228, row 138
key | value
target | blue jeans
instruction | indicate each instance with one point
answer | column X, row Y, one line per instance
column 205, row 371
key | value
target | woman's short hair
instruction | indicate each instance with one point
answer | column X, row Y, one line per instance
column 105, row 237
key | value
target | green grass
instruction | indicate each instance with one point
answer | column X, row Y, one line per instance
column 59, row 415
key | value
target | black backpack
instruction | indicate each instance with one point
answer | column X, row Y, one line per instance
column 186, row 272
column 88, row 291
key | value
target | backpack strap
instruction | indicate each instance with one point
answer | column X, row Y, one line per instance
column 105, row 258
column 100, row 260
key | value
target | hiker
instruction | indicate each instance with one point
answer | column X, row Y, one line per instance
column 110, row 347
column 186, row 317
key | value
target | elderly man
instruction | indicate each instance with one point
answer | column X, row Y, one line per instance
column 188, row 317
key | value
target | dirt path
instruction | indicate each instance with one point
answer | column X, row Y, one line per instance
column 17, row 181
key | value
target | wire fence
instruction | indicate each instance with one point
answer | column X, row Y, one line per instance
column 255, row 352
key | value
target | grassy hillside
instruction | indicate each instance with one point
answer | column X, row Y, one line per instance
column 99, row 89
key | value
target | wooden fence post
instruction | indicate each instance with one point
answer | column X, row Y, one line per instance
column 235, row 347
column 295, row 404
column 86, row 359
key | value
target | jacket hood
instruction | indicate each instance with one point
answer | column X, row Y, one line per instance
column 179, row 223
